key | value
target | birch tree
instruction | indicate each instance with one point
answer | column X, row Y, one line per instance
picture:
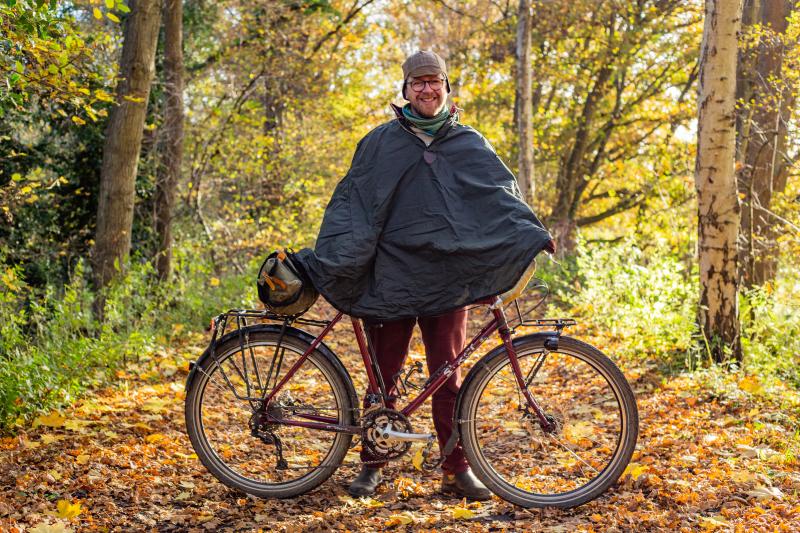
column 715, row 182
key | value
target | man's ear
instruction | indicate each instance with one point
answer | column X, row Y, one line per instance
column 403, row 90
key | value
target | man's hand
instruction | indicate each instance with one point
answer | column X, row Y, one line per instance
column 550, row 247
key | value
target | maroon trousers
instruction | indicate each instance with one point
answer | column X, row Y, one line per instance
column 444, row 337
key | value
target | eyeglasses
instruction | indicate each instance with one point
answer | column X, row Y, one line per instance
column 419, row 85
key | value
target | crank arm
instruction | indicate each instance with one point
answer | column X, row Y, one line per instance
column 391, row 435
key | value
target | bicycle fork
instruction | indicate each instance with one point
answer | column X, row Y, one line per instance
column 548, row 425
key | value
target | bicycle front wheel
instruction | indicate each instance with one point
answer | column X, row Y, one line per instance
column 581, row 391
column 279, row 461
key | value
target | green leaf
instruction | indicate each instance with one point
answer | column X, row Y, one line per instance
column 122, row 7
column 110, row 4
column 19, row 67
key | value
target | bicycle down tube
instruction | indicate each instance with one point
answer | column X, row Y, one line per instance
column 434, row 383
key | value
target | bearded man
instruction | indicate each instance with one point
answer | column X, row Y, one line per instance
column 427, row 220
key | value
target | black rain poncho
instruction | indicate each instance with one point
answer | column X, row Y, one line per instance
column 419, row 231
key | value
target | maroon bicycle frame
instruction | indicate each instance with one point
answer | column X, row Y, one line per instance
column 498, row 323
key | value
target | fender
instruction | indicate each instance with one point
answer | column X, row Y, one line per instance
column 290, row 332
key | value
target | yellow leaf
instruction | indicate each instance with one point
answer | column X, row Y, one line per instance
column 462, row 512
column 155, row 437
column 134, row 99
column 50, row 439
column 113, row 17
column 635, row 470
column 97, row 13
column 400, row 519
column 750, row 384
column 79, row 121
column 67, row 509
column 417, row 460
column 76, row 425
column 214, row 282
column 53, row 420
column 82, row 459
column 711, row 523
column 103, row 96
column 370, row 502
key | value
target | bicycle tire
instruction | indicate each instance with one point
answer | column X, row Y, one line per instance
column 486, row 425
column 255, row 454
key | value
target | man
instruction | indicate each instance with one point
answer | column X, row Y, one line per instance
column 427, row 221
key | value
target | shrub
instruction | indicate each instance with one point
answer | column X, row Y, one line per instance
column 52, row 348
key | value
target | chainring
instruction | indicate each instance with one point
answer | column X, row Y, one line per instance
column 379, row 448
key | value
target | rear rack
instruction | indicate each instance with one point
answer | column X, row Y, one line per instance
column 244, row 318
column 517, row 317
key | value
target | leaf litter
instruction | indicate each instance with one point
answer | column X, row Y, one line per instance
column 710, row 457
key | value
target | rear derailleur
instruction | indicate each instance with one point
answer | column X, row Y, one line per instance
column 262, row 429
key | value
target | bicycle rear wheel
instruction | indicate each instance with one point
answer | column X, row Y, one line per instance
column 220, row 425
column 579, row 389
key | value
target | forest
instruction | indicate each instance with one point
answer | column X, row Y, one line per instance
column 153, row 152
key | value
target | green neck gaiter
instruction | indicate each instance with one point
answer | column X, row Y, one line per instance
column 428, row 125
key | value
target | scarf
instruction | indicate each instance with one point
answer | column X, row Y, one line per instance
column 428, row 125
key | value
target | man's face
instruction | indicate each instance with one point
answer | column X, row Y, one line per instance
column 427, row 102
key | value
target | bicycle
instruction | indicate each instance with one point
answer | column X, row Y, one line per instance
column 545, row 420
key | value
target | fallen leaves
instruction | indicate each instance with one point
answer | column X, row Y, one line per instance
column 121, row 459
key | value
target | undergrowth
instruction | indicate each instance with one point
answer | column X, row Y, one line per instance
column 644, row 301
column 52, row 347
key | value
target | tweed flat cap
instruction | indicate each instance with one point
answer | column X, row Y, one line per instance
column 424, row 63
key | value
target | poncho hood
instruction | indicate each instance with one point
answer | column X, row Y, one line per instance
column 419, row 231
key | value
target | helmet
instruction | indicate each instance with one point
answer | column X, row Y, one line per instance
column 283, row 286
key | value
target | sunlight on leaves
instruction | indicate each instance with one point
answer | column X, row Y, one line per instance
column 55, row 527
column 53, row 420
column 400, row 519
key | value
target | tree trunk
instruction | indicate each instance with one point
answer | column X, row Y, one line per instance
column 524, row 102
column 718, row 203
column 123, row 141
column 172, row 154
column 762, row 139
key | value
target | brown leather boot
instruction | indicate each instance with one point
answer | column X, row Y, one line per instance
column 366, row 482
column 465, row 485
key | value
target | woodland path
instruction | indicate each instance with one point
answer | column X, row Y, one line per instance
column 712, row 455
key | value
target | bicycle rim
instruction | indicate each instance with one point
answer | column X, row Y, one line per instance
column 596, row 425
column 246, row 462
